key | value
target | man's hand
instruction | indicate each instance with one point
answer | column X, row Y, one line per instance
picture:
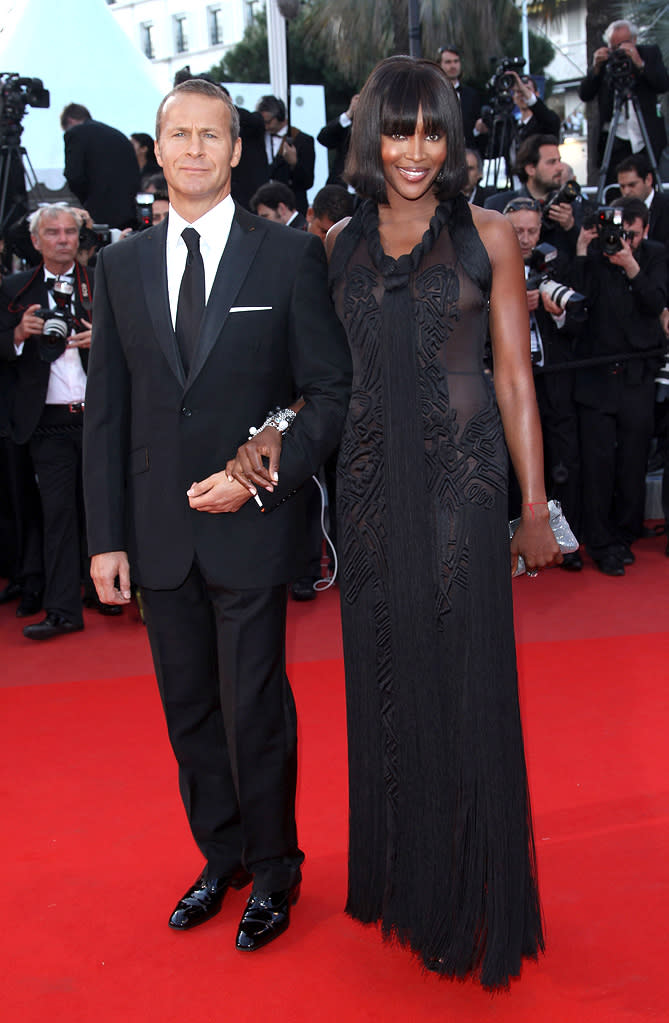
column 532, row 300
column 248, row 468
column 600, row 58
column 550, row 306
column 664, row 321
column 350, row 113
column 630, row 49
column 217, row 494
column 625, row 258
column 104, row 570
column 524, row 89
column 586, row 235
column 289, row 152
column 562, row 214
column 29, row 325
column 83, row 338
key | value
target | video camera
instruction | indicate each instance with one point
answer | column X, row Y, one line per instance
column 619, row 69
column 500, row 89
column 16, row 94
column 58, row 322
column 566, row 298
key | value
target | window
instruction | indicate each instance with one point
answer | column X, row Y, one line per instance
column 215, row 26
column 146, row 31
column 180, row 34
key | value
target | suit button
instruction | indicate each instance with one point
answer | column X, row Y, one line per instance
column 186, row 412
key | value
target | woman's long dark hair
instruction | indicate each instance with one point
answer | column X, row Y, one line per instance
column 389, row 104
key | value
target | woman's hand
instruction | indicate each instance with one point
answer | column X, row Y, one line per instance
column 248, row 468
column 534, row 540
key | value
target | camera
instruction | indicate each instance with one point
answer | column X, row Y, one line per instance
column 503, row 82
column 16, row 94
column 619, row 69
column 610, row 228
column 565, row 297
column 58, row 322
column 569, row 192
column 96, row 236
column 144, row 210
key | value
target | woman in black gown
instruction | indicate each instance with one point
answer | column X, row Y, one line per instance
column 441, row 851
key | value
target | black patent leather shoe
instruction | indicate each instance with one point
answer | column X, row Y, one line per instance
column 109, row 610
column 572, row 562
column 204, row 899
column 624, row 552
column 12, row 591
column 53, row 625
column 267, row 915
column 303, row 589
column 610, row 564
column 29, row 604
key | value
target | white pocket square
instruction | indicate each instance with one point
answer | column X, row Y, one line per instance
column 249, row 308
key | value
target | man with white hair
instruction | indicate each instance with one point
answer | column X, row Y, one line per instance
column 648, row 77
column 48, row 401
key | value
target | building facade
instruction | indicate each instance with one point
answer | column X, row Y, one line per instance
column 173, row 33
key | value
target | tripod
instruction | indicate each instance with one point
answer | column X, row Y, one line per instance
column 625, row 95
column 15, row 171
column 500, row 137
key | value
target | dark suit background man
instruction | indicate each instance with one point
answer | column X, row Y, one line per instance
column 100, row 167
column 650, row 79
column 171, row 405
column 290, row 152
column 274, row 201
column 336, row 137
column 47, row 406
column 470, row 100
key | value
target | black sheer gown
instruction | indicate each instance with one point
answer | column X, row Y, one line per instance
column 441, row 850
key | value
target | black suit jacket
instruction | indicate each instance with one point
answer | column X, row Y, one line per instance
column 658, row 224
column 337, row 139
column 470, row 105
column 269, row 333
column 650, row 82
column 300, row 177
column 622, row 318
column 30, row 378
column 102, row 170
column 252, row 171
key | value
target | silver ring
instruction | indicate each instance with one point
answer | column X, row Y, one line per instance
column 532, row 574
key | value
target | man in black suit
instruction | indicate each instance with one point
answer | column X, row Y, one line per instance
column 626, row 292
column 48, row 403
column 204, row 325
column 274, row 201
column 650, row 79
column 635, row 178
column 290, row 152
column 470, row 101
column 476, row 194
column 336, row 136
column 100, row 167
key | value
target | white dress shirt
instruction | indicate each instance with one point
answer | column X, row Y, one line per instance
column 67, row 379
column 274, row 141
column 214, row 230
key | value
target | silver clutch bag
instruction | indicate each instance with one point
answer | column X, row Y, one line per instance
column 562, row 532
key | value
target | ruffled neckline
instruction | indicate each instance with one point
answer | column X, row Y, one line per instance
column 409, row 262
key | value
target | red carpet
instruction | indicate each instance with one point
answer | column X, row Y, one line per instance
column 95, row 849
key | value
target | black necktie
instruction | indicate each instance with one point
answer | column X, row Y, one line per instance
column 190, row 306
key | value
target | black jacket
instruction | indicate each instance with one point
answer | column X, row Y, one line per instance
column 269, row 333
column 300, row 177
column 102, row 170
column 30, row 373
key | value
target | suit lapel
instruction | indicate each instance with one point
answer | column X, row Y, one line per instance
column 153, row 270
column 242, row 245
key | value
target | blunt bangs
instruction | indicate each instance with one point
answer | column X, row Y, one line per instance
column 389, row 102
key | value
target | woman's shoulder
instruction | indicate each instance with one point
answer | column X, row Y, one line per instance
column 495, row 231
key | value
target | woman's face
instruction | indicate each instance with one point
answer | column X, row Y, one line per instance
column 411, row 163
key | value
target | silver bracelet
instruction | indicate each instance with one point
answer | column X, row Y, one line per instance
column 281, row 419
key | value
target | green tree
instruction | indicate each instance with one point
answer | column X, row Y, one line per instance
column 310, row 63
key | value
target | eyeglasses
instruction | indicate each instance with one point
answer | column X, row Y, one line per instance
column 522, row 202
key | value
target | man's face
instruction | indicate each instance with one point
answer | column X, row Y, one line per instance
column 518, row 96
column 621, row 35
column 195, row 149
column 159, row 210
column 272, row 123
column 527, row 225
column 318, row 225
column 451, row 65
column 634, row 232
column 58, row 241
column 281, row 215
column 473, row 173
column 543, row 178
column 631, row 184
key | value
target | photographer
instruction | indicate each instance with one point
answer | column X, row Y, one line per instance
column 645, row 72
column 49, row 361
column 290, row 152
column 552, row 336
column 535, row 117
column 624, row 279
column 539, row 167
